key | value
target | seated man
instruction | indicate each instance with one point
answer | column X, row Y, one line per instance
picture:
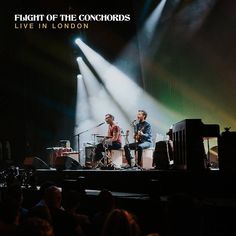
column 113, row 139
column 142, row 136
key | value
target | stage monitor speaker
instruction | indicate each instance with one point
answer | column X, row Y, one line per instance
column 227, row 151
column 67, row 163
column 35, row 162
column 162, row 155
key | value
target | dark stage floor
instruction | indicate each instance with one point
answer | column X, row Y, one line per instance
column 152, row 182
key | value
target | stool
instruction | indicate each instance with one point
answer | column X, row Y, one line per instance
column 147, row 158
column 117, row 157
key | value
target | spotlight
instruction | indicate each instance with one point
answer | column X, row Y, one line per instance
column 79, row 59
column 79, row 76
column 78, row 41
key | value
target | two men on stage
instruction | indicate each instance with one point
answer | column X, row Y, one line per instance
column 142, row 138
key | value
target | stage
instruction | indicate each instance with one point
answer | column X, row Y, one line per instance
column 151, row 182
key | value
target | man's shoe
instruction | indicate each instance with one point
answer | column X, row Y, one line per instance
column 127, row 166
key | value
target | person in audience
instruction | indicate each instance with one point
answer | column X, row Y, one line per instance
column 9, row 217
column 35, row 227
column 63, row 222
column 53, row 197
column 14, row 193
column 40, row 211
column 183, row 218
column 71, row 203
column 105, row 203
column 121, row 222
column 42, row 190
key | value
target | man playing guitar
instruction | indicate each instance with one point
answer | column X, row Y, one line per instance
column 142, row 137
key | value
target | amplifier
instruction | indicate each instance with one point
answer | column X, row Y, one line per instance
column 89, row 154
column 227, row 151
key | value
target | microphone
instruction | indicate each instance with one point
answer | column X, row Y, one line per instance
column 101, row 124
column 133, row 122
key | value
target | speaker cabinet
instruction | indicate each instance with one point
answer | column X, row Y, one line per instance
column 227, row 151
column 35, row 162
column 66, row 163
column 162, row 155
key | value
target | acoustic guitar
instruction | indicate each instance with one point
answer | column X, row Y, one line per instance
column 137, row 135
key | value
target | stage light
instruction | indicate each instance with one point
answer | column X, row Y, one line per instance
column 79, row 76
column 145, row 10
column 78, row 59
column 78, row 40
column 151, row 23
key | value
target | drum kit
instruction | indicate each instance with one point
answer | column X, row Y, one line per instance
column 100, row 159
column 93, row 159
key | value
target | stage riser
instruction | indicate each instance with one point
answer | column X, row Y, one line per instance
column 151, row 182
